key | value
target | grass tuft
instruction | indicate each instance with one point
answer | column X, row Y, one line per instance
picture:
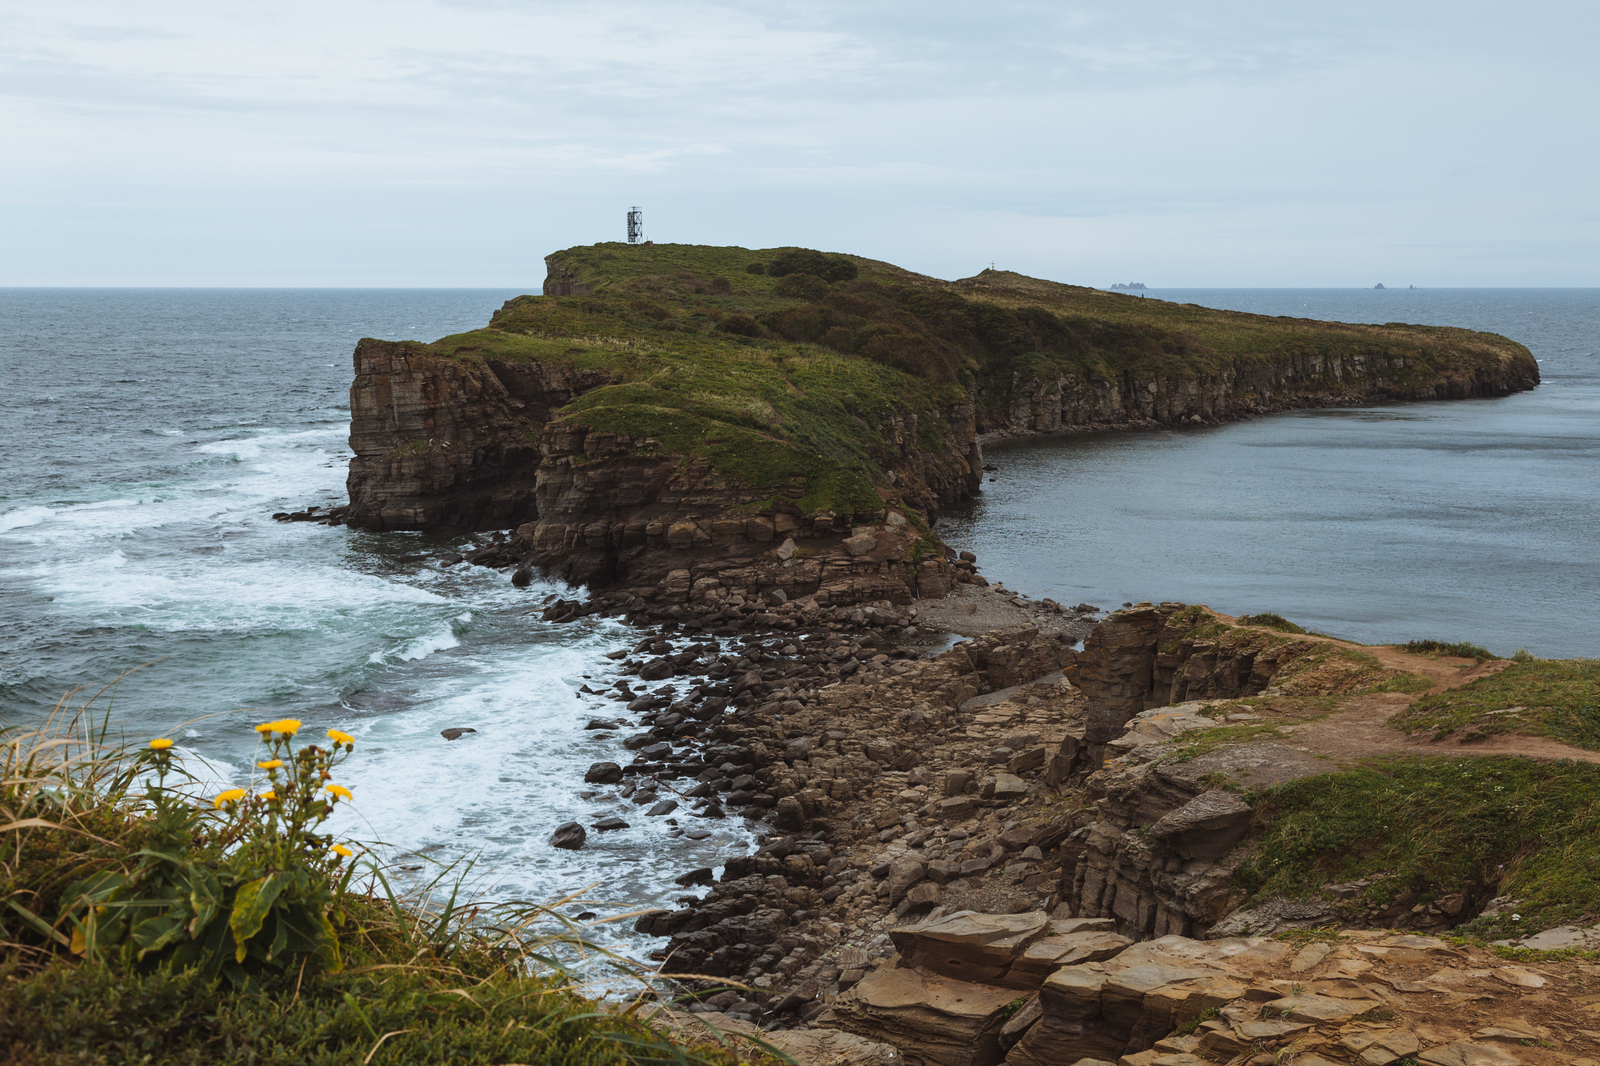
column 1556, row 698
column 1270, row 621
column 1488, row 826
column 414, row 980
column 1458, row 650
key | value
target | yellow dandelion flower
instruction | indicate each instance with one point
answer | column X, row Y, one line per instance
column 229, row 796
column 271, row 764
column 339, row 791
column 340, row 737
column 340, row 849
column 269, row 795
column 286, row 726
column 161, row 745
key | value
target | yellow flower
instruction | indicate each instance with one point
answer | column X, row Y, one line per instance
column 339, row 737
column 161, row 745
column 270, row 764
column 339, row 791
column 286, row 726
column 340, row 849
column 229, row 796
column 269, row 795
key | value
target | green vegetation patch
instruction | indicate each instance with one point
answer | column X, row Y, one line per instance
column 71, row 1014
column 1510, row 826
column 1456, row 650
column 142, row 924
column 1270, row 621
column 1557, row 698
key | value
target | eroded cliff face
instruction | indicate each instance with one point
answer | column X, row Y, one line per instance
column 1170, row 826
column 612, row 510
column 1065, row 405
column 458, row 444
column 448, row 444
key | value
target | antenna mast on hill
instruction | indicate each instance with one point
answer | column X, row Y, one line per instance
column 635, row 225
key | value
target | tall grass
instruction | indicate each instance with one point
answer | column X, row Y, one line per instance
column 96, row 968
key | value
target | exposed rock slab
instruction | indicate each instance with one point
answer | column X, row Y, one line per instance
column 927, row 1016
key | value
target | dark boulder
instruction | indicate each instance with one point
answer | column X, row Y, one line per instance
column 656, row 670
column 603, row 773
column 568, row 835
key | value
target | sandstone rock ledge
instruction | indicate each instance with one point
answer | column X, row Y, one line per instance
column 1359, row 997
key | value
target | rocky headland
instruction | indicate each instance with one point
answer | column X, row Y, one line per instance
column 1159, row 837
column 682, row 420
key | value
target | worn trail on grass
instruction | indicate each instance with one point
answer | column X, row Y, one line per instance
column 1359, row 729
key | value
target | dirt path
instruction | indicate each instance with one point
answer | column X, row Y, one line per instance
column 1359, row 728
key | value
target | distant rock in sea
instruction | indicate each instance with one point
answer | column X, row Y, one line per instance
column 1379, row 285
column 1132, row 286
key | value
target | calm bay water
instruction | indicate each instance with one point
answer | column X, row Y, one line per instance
column 1472, row 520
column 147, row 437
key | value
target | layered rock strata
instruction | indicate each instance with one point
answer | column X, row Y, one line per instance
column 442, row 443
column 1362, row 997
column 1241, row 390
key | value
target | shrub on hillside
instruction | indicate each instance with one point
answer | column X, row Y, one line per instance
column 801, row 287
column 741, row 326
column 817, row 264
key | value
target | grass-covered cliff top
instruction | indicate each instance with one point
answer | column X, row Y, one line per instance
column 792, row 364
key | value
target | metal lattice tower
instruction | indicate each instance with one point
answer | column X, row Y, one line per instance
column 635, row 225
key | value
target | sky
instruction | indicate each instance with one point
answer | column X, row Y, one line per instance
column 457, row 142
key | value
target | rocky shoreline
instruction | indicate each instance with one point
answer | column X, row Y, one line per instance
column 960, row 800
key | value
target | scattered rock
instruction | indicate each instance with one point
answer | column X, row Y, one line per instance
column 456, row 732
column 603, row 773
column 568, row 835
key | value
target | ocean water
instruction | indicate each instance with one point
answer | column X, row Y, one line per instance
column 146, row 437
column 1474, row 520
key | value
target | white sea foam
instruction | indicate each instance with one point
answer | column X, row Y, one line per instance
column 239, row 450
column 24, row 516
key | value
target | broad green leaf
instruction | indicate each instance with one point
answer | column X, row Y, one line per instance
column 153, row 934
column 205, row 896
column 250, row 907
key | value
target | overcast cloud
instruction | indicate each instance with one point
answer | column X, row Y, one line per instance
column 430, row 142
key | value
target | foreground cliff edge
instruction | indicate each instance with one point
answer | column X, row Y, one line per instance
column 677, row 417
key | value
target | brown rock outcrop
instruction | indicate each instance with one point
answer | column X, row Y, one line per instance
column 932, row 1019
column 1242, row 389
column 448, row 444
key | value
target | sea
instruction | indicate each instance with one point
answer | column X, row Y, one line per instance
column 1468, row 520
column 148, row 435
column 146, row 438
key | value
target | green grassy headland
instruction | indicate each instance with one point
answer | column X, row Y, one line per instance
column 812, row 381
